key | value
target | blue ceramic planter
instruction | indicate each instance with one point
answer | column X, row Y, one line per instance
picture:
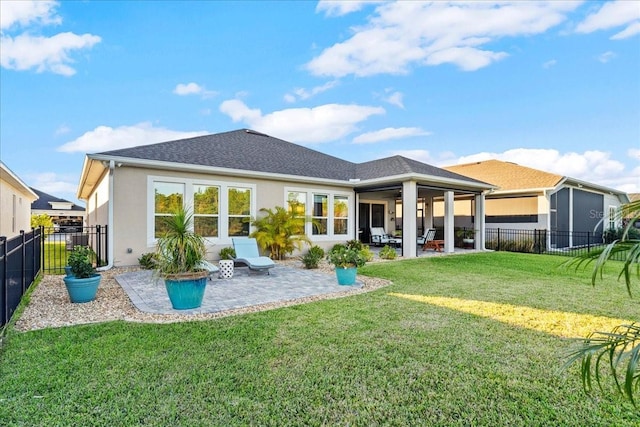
column 186, row 293
column 67, row 270
column 82, row 290
column 346, row 276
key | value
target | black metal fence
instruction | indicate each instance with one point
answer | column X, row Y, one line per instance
column 20, row 263
column 57, row 245
column 567, row 243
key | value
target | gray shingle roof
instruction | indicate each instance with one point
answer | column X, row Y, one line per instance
column 398, row 165
column 44, row 200
column 245, row 150
column 253, row 151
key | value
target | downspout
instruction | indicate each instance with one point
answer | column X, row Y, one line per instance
column 112, row 166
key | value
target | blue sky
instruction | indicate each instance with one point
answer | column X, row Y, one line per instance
column 552, row 85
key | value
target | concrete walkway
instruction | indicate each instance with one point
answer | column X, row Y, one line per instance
column 243, row 290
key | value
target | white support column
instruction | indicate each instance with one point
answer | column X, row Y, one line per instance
column 480, row 225
column 409, row 218
column 449, row 218
column 356, row 215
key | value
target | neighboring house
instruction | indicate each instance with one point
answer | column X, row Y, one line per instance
column 66, row 215
column 226, row 178
column 15, row 203
column 528, row 198
column 633, row 197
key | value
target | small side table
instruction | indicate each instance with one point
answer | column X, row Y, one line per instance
column 226, row 269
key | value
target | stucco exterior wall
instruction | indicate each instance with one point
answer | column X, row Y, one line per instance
column 133, row 208
column 97, row 203
column 15, row 210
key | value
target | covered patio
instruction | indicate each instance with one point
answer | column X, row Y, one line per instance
column 406, row 210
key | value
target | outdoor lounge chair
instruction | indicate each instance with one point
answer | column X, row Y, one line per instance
column 380, row 237
column 211, row 268
column 429, row 235
column 247, row 253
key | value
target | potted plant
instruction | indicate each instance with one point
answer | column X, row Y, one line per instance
column 346, row 258
column 179, row 254
column 83, row 280
column 468, row 236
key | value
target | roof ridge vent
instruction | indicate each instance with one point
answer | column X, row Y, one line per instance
column 253, row 132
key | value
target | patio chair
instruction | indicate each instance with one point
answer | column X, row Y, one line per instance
column 380, row 237
column 247, row 253
column 429, row 235
column 211, row 268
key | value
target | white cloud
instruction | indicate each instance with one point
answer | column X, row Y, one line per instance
column 302, row 125
column 105, row 138
column 395, row 99
column 62, row 130
column 387, row 134
column 23, row 13
column 341, row 7
column 25, row 51
column 592, row 166
column 302, row 94
column 403, row 34
column 634, row 153
column 192, row 88
column 43, row 53
column 424, row 156
column 54, row 183
column 549, row 64
column 606, row 57
column 612, row 15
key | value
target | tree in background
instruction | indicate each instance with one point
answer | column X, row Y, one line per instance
column 43, row 220
column 618, row 351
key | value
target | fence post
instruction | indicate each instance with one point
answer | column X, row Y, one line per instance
column 23, row 267
column 498, row 240
column 98, row 245
column 4, row 307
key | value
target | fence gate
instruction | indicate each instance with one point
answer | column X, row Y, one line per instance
column 57, row 245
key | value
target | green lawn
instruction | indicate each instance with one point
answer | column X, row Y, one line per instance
column 466, row 340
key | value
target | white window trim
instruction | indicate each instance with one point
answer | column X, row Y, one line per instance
column 310, row 193
column 223, row 211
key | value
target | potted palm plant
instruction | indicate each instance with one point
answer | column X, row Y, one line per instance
column 347, row 258
column 179, row 254
column 82, row 280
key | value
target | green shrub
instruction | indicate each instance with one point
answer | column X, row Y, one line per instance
column 345, row 256
column 227, row 253
column 387, row 252
column 147, row 261
column 81, row 262
column 313, row 257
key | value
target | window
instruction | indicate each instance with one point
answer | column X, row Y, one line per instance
column 239, row 204
column 167, row 197
column 320, row 214
column 297, row 206
column 206, row 210
column 612, row 217
column 340, row 215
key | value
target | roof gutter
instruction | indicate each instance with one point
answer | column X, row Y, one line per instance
column 112, row 166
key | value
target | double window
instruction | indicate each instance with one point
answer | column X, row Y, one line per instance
column 329, row 212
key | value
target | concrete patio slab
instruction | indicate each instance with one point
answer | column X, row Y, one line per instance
column 244, row 289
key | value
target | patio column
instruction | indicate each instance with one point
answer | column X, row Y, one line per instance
column 480, row 224
column 409, row 221
column 449, row 218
